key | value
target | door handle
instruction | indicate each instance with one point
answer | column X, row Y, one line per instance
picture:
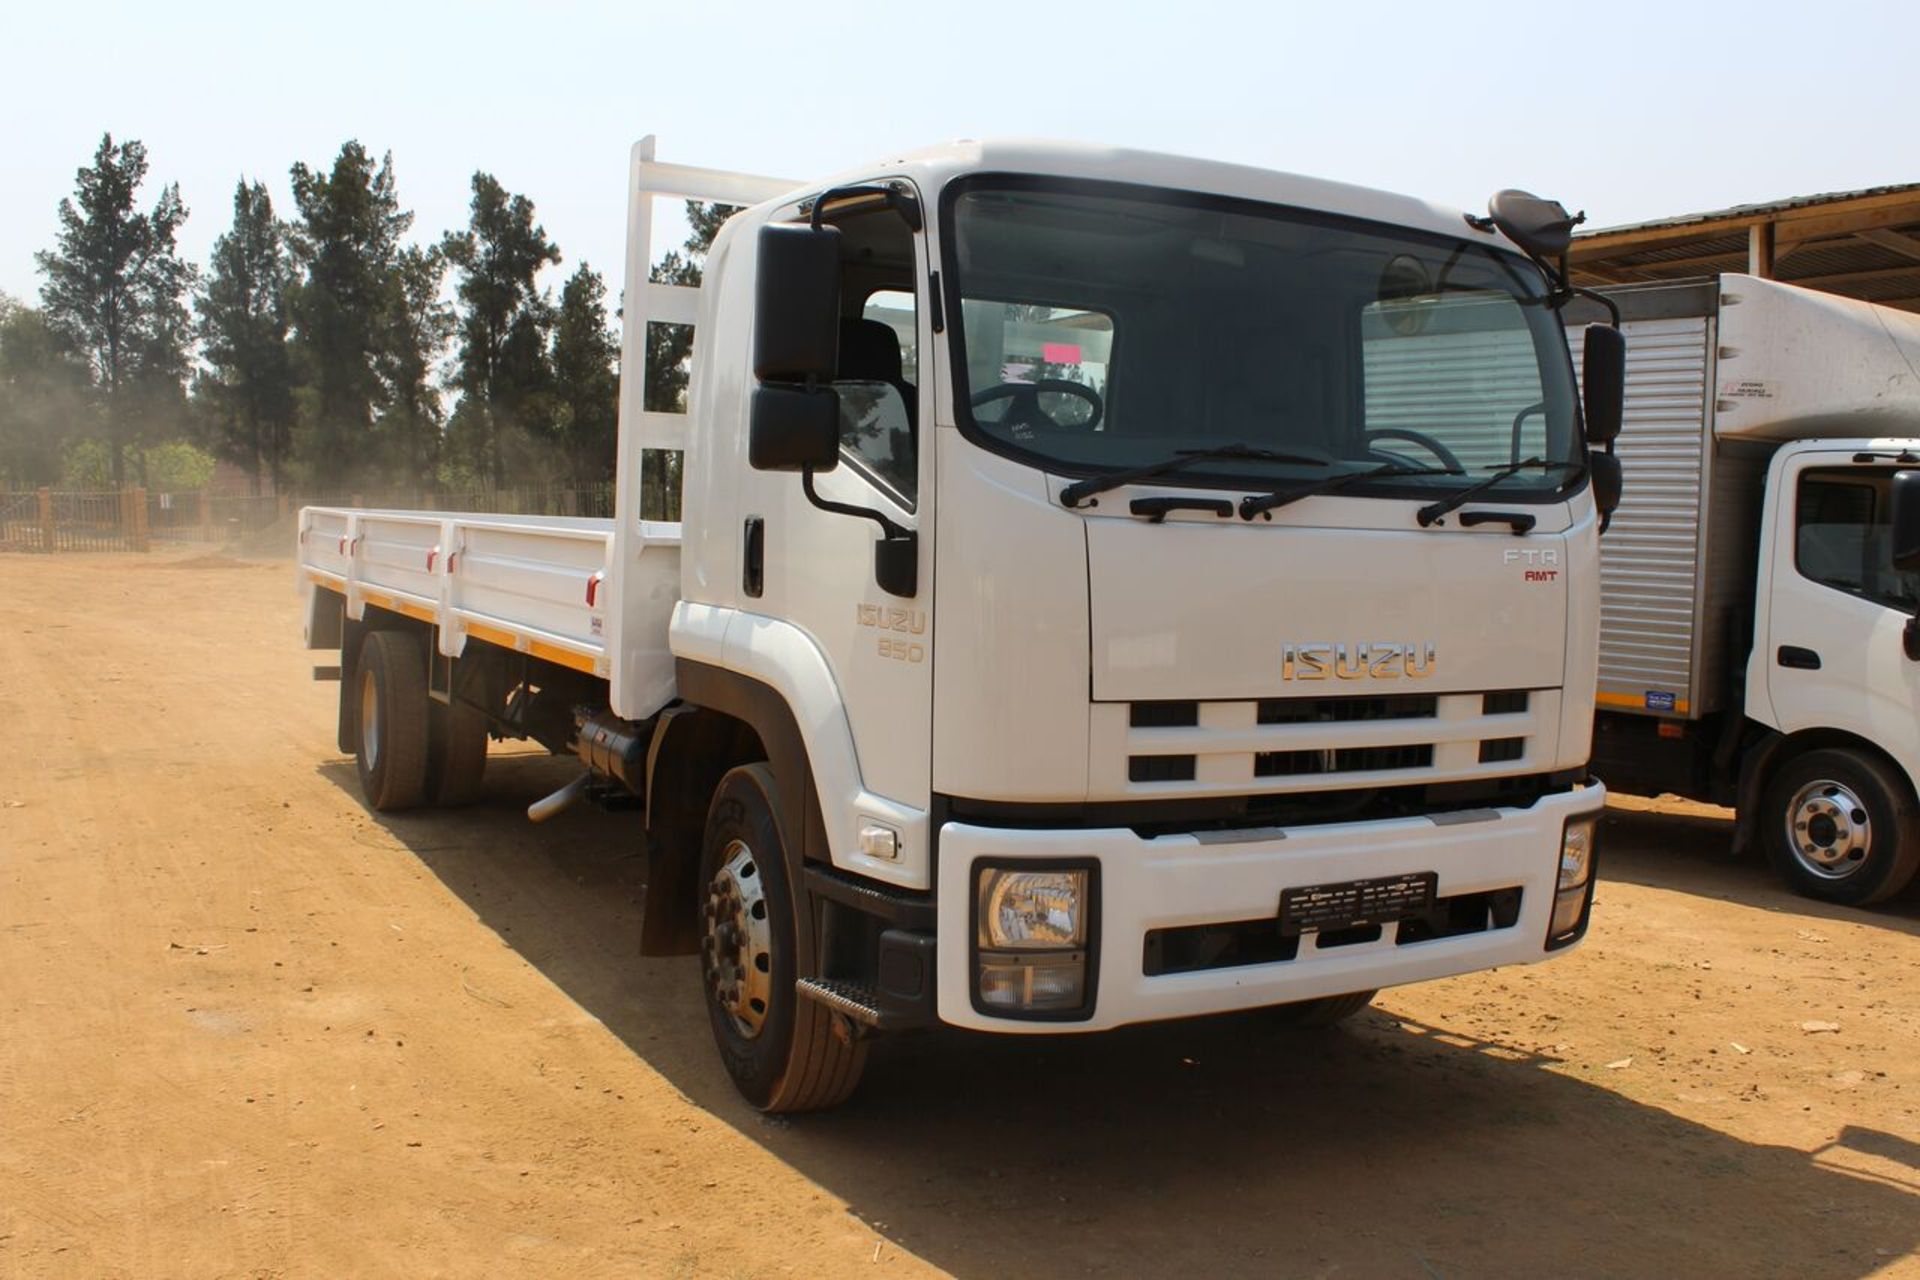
column 1792, row 655
column 753, row 566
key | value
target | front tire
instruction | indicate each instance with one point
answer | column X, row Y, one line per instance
column 782, row 1051
column 1841, row 826
column 390, row 721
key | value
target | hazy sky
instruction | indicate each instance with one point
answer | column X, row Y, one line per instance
column 1627, row 110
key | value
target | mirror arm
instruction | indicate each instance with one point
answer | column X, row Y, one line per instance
column 888, row 528
column 1613, row 308
column 896, row 194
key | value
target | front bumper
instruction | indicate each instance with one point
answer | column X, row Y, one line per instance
column 1210, row 878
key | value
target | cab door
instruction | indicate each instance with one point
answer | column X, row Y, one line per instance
column 1837, row 608
column 818, row 568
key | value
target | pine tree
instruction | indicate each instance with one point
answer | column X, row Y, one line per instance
column 44, row 390
column 247, row 390
column 415, row 327
column 503, row 373
column 586, row 370
column 115, row 290
column 348, row 243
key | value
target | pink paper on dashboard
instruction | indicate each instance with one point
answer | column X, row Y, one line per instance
column 1060, row 352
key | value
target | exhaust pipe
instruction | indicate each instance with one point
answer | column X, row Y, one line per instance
column 559, row 801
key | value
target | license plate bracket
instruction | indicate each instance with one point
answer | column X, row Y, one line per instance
column 1354, row 904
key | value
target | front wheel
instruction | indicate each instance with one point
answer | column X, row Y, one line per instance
column 781, row 1051
column 1842, row 826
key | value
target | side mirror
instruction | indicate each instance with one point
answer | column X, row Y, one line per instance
column 796, row 304
column 1608, row 483
column 1603, row 382
column 1906, row 521
column 1542, row 228
column 793, row 428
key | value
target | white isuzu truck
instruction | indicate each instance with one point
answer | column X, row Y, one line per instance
column 1111, row 587
column 1758, row 642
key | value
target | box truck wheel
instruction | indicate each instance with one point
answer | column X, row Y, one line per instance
column 391, row 721
column 456, row 753
column 780, row 1050
column 1325, row 1011
column 1841, row 825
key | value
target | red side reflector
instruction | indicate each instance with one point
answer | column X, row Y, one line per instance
column 431, row 557
column 593, row 588
column 1672, row 729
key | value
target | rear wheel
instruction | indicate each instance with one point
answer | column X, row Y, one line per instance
column 1842, row 826
column 1325, row 1011
column 391, row 721
column 456, row 753
column 781, row 1051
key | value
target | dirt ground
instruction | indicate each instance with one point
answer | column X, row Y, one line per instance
column 250, row 1030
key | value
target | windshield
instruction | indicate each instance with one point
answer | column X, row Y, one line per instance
column 1105, row 327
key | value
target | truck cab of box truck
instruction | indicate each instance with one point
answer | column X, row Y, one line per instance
column 1758, row 644
column 1076, row 530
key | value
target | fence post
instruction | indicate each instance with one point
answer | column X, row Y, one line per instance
column 206, row 517
column 139, row 496
column 46, row 518
column 283, row 502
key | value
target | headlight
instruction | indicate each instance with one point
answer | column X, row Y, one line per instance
column 1032, row 910
column 1033, row 941
column 1573, row 896
column 1576, row 851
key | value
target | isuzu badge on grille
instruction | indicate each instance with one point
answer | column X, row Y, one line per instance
column 1316, row 661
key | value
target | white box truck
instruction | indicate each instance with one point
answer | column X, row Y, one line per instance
column 1758, row 646
column 1112, row 587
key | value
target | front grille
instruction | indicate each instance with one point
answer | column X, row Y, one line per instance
column 1344, row 736
column 1296, row 764
column 1408, row 706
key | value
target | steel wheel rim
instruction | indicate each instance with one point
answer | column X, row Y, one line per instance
column 370, row 720
column 736, row 943
column 1828, row 830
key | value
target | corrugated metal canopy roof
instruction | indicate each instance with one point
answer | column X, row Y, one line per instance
column 1862, row 244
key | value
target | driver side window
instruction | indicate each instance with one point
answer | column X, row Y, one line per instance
column 879, row 372
column 1843, row 536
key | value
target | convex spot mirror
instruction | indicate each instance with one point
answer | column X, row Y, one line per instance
column 1542, row 228
column 1603, row 382
column 793, row 428
column 1608, row 482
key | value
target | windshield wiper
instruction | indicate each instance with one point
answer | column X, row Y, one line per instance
column 1073, row 493
column 1434, row 510
column 1261, row 504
